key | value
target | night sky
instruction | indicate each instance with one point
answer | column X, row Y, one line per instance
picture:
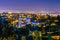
column 29, row 5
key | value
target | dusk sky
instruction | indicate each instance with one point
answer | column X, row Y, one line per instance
column 29, row 5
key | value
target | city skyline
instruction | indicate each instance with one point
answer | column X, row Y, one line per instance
column 29, row 5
